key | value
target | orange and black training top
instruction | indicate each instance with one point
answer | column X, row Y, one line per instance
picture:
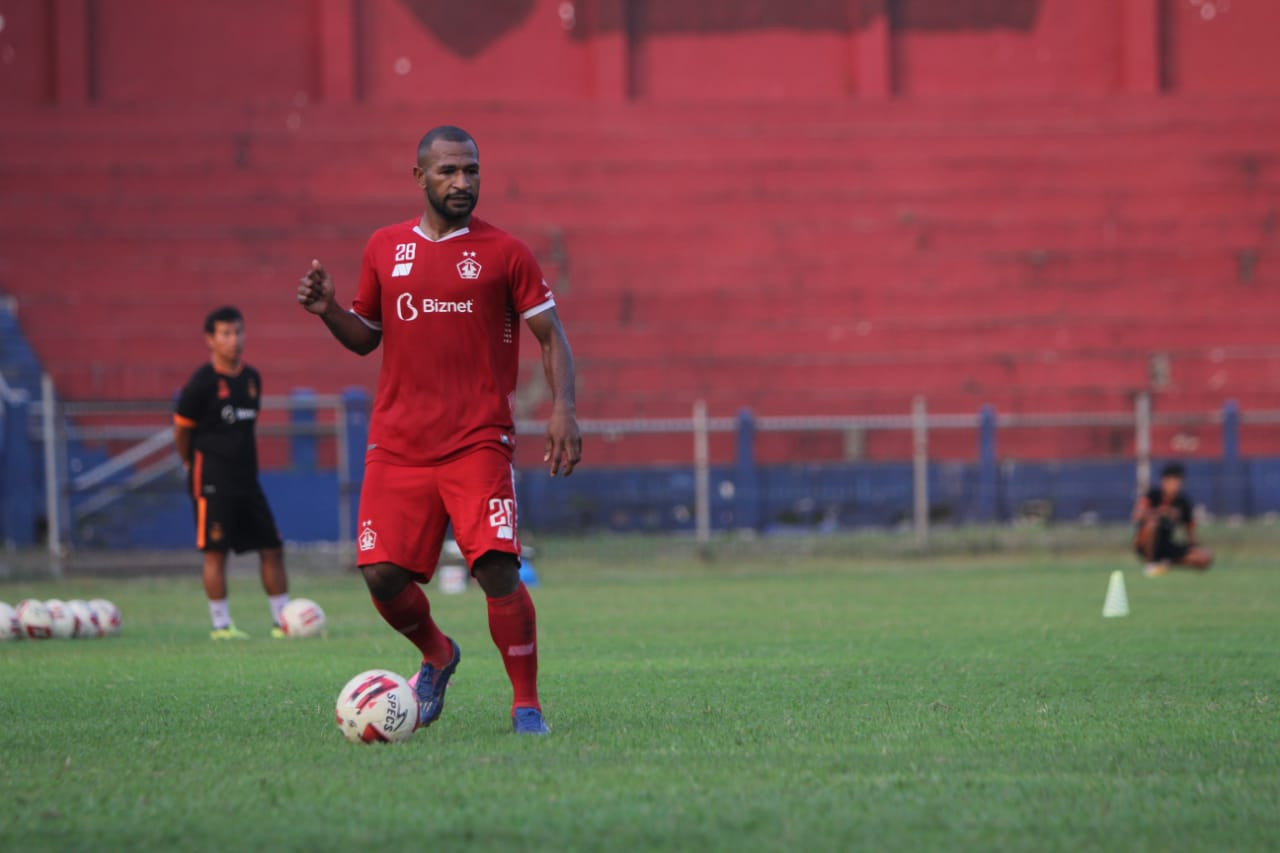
column 222, row 409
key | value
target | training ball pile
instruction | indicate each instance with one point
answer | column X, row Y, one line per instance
column 302, row 617
column 377, row 706
column 34, row 619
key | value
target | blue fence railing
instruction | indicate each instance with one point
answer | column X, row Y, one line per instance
column 318, row 503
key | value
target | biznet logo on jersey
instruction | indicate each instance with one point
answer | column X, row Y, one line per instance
column 408, row 309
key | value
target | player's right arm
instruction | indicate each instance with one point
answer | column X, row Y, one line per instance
column 316, row 295
column 1142, row 509
column 183, row 440
column 185, row 417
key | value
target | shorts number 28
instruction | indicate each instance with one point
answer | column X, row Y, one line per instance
column 502, row 516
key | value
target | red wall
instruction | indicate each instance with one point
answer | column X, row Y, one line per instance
column 1049, row 48
column 830, row 206
column 1222, row 46
column 422, row 52
column 158, row 50
column 25, row 68
column 427, row 52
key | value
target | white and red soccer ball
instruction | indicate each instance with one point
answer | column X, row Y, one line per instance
column 87, row 620
column 108, row 616
column 35, row 619
column 302, row 617
column 377, row 706
column 63, row 624
column 10, row 627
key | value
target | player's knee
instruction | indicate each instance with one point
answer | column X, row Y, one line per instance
column 385, row 580
column 497, row 573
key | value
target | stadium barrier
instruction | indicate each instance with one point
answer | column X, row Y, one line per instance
column 106, row 476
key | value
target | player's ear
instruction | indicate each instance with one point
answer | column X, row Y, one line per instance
column 420, row 176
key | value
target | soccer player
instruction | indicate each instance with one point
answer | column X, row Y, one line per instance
column 1166, row 526
column 443, row 293
column 213, row 430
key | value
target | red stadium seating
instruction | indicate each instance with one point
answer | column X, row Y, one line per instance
column 792, row 258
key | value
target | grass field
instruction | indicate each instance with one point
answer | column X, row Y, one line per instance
column 810, row 703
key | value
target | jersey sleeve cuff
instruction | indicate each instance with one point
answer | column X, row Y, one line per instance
column 538, row 309
column 372, row 324
column 179, row 420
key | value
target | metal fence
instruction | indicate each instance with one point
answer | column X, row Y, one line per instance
column 699, row 474
column 99, row 454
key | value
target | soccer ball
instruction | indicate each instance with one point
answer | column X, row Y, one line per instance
column 10, row 627
column 302, row 617
column 87, row 620
column 377, row 706
column 108, row 616
column 63, row 622
column 35, row 619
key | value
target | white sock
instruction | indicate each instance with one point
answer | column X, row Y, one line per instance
column 277, row 603
column 219, row 614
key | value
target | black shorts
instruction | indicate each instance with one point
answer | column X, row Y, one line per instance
column 239, row 522
column 1166, row 549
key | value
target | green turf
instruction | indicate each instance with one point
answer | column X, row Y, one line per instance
column 811, row 703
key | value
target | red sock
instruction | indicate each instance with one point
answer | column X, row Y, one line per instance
column 410, row 614
column 514, row 628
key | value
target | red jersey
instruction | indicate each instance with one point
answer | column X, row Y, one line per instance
column 448, row 312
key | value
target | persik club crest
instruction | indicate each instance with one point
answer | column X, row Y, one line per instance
column 368, row 537
column 469, row 268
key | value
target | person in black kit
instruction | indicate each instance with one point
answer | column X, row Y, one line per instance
column 213, row 430
column 1166, row 526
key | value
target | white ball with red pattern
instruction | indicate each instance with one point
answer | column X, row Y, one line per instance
column 34, row 618
column 302, row 617
column 10, row 627
column 87, row 627
column 62, row 619
column 377, row 706
column 108, row 616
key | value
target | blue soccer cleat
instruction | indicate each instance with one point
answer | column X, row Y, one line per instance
column 528, row 721
column 431, row 685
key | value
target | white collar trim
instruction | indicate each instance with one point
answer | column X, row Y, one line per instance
column 418, row 230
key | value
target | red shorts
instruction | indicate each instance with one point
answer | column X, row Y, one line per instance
column 405, row 509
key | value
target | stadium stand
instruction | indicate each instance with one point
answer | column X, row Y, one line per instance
column 1027, row 208
column 1036, row 256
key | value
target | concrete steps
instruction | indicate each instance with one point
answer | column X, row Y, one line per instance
column 799, row 258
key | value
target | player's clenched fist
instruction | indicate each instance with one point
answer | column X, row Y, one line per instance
column 315, row 289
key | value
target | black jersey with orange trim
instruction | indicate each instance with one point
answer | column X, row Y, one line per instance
column 222, row 410
column 1181, row 505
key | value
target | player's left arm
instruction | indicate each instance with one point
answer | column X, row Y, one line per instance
column 564, row 441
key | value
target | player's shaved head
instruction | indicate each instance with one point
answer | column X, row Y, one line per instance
column 448, row 172
column 446, row 132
